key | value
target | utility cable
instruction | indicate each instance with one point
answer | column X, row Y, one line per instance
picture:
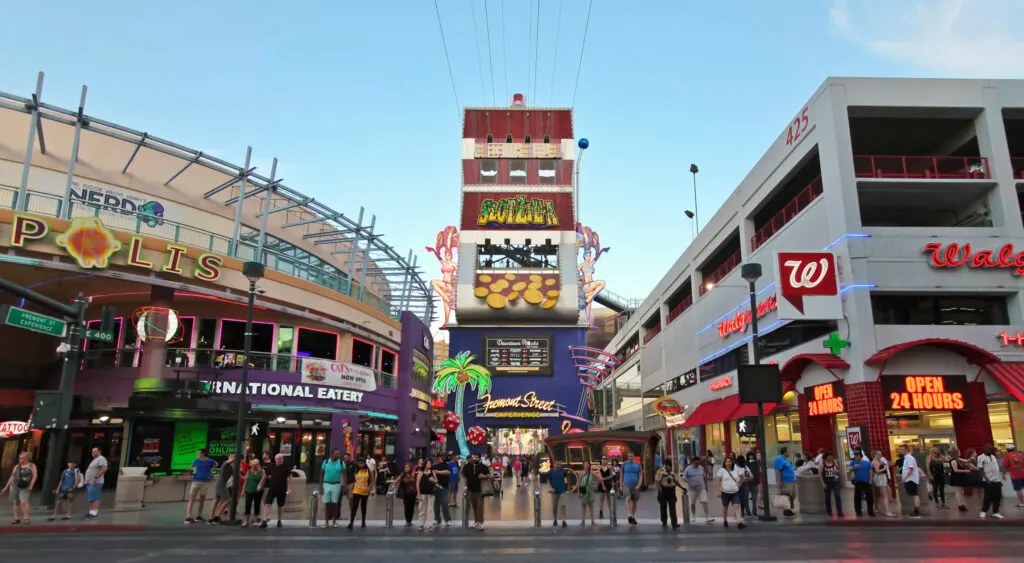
column 490, row 58
column 554, row 64
column 586, row 28
column 536, row 50
column 479, row 60
column 448, row 60
column 529, row 58
column 504, row 58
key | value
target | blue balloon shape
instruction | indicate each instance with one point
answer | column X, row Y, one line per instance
column 583, row 143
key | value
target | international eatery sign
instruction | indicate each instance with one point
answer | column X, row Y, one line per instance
column 808, row 286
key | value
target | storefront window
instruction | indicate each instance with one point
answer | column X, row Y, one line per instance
column 317, row 344
column 715, row 439
column 362, row 353
column 285, row 339
column 920, row 430
column 517, row 441
column 1000, row 417
column 387, row 361
column 232, row 336
column 787, row 432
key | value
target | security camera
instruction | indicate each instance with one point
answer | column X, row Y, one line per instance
column 261, row 291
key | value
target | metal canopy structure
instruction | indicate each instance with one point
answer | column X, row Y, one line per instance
column 357, row 249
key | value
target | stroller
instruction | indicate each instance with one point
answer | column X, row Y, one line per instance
column 496, row 477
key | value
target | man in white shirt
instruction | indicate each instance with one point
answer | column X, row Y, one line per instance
column 911, row 479
column 989, row 464
column 94, row 482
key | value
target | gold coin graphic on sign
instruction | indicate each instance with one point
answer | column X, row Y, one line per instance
column 554, row 293
column 495, row 287
column 496, row 301
column 510, row 277
column 533, row 297
column 484, row 278
column 534, row 285
column 535, row 278
column 518, row 286
column 550, row 281
column 480, row 292
column 513, row 296
column 549, row 303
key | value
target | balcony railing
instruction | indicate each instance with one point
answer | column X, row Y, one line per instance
column 651, row 333
column 132, row 222
column 213, row 361
column 679, row 309
column 627, row 354
column 721, row 271
column 791, row 210
column 921, row 167
column 1018, row 167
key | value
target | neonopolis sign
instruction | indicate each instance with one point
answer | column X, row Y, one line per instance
column 954, row 255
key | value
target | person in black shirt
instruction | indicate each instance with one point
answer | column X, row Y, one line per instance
column 349, row 477
column 277, row 482
column 443, row 475
column 475, row 473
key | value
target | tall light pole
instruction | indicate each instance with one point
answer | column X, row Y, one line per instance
column 696, row 216
column 253, row 271
column 583, row 144
column 751, row 272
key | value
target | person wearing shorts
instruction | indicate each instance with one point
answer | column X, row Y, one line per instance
column 785, row 476
column 70, row 479
column 330, row 482
column 94, row 482
column 556, row 478
column 23, row 479
column 202, row 474
column 696, row 487
column 729, row 480
column 278, row 485
column 630, row 480
column 223, row 489
column 1013, row 463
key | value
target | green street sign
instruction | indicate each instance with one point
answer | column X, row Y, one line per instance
column 99, row 335
column 28, row 320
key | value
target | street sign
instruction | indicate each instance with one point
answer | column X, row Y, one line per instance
column 99, row 335
column 28, row 320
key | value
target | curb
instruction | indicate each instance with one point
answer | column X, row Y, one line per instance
column 61, row 529
column 924, row 523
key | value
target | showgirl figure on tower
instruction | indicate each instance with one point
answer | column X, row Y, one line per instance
column 446, row 251
column 588, row 240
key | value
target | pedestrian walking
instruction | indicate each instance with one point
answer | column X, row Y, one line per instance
column 630, row 482
column 828, row 474
column 604, row 484
column 278, row 483
column 517, row 472
column 70, row 480
column 407, row 490
column 1013, row 464
column 785, row 476
column 741, row 465
column 202, row 474
column 253, row 486
column 696, row 487
column 911, row 477
column 992, row 475
column 425, row 482
column 936, row 468
column 223, row 490
column 362, row 484
column 959, row 477
column 94, row 482
column 729, row 478
column 667, row 485
column 754, row 486
column 474, row 473
column 331, row 471
column 587, row 489
column 20, row 484
column 861, row 469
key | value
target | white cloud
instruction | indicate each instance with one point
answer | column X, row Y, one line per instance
column 955, row 38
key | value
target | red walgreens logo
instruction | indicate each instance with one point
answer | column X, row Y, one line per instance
column 805, row 274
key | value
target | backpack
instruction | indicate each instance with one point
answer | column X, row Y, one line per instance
column 667, row 480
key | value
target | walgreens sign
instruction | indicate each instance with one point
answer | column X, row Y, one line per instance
column 739, row 322
column 954, row 255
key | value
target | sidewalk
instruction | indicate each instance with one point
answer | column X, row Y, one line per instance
column 513, row 511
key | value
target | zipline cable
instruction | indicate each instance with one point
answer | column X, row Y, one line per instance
column 451, row 75
column 579, row 67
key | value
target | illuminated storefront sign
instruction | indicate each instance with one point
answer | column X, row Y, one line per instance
column 523, row 406
column 739, row 322
column 955, row 255
column 417, row 394
column 667, row 406
column 719, row 384
column 287, row 390
column 518, row 211
column 826, row 399
column 1014, row 339
column 338, row 374
column 13, row 428
column 92, row 245
column 925, row 392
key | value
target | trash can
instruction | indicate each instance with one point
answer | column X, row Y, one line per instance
column 298, row 498
column 131, row 488
column 810, row 494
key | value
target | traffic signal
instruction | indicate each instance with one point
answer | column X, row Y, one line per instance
column 107, row 318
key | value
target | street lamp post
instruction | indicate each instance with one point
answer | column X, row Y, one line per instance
column 696, row 217
column 751, row 272
column 253, row 271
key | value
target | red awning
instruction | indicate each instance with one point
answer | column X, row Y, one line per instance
column 750, row 409
column 700, row 414
column 1010, row 375
column 723, row 410
column 796, row 365
column 970, row 352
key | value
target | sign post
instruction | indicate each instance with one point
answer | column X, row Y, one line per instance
column 99, row 335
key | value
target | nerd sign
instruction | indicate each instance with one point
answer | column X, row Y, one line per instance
column 827, row 398
column 808, row 275
column 925, row 392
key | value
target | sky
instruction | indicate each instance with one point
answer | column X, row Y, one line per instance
column 355, row 98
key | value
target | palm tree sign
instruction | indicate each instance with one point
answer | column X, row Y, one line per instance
column 453, row 375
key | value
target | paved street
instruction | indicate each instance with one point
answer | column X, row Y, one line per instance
column 568, row 546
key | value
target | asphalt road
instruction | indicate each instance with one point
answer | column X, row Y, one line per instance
column 787, row 544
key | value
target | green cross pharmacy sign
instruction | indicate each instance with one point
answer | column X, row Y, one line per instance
column 29, row 320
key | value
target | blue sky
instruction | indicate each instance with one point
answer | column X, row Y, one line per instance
column 354, row 97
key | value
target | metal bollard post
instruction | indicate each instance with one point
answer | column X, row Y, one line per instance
column 686, row 508
column 612, row 518
column 314, row 507
column 389, row 505
column 536, row 508
column 465, row 509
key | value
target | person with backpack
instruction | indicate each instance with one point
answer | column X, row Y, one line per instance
column 667, row 484
column 70, row 479
column 22, row 480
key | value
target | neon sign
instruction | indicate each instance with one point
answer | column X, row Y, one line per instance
column 667, row 406
column 719, row 384
column 13, row 428
column 527, row 401
column 1007, row 338
column 954, row 255
column 826, row 399
column 518, row 211
column 926, row 392
column 739, row 322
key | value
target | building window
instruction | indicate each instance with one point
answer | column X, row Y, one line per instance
column 517, row 171
column 387, row 361
column 724, row 364
column 362, row 353
column 317, row 344
column 1002, row 415
column 903, row 309
column 793, row 334
column 489, row 171
column 547, row 171
column 232, row 336
column 512, row 256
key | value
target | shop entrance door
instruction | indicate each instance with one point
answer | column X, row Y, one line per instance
column 108, row 440
column 312, row 453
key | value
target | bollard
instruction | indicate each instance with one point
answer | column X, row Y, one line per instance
column 686, row 508
column 314, row 506
column 612, row 519
column 536, row 508
column 465, row 509
column 389, row 504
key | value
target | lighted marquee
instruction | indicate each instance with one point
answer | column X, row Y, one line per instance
column 518, row 355
column 955, row 255
column 925, row 392
column 518, row 290
column 739, row 322
column 527, row 405
column 826, row 399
